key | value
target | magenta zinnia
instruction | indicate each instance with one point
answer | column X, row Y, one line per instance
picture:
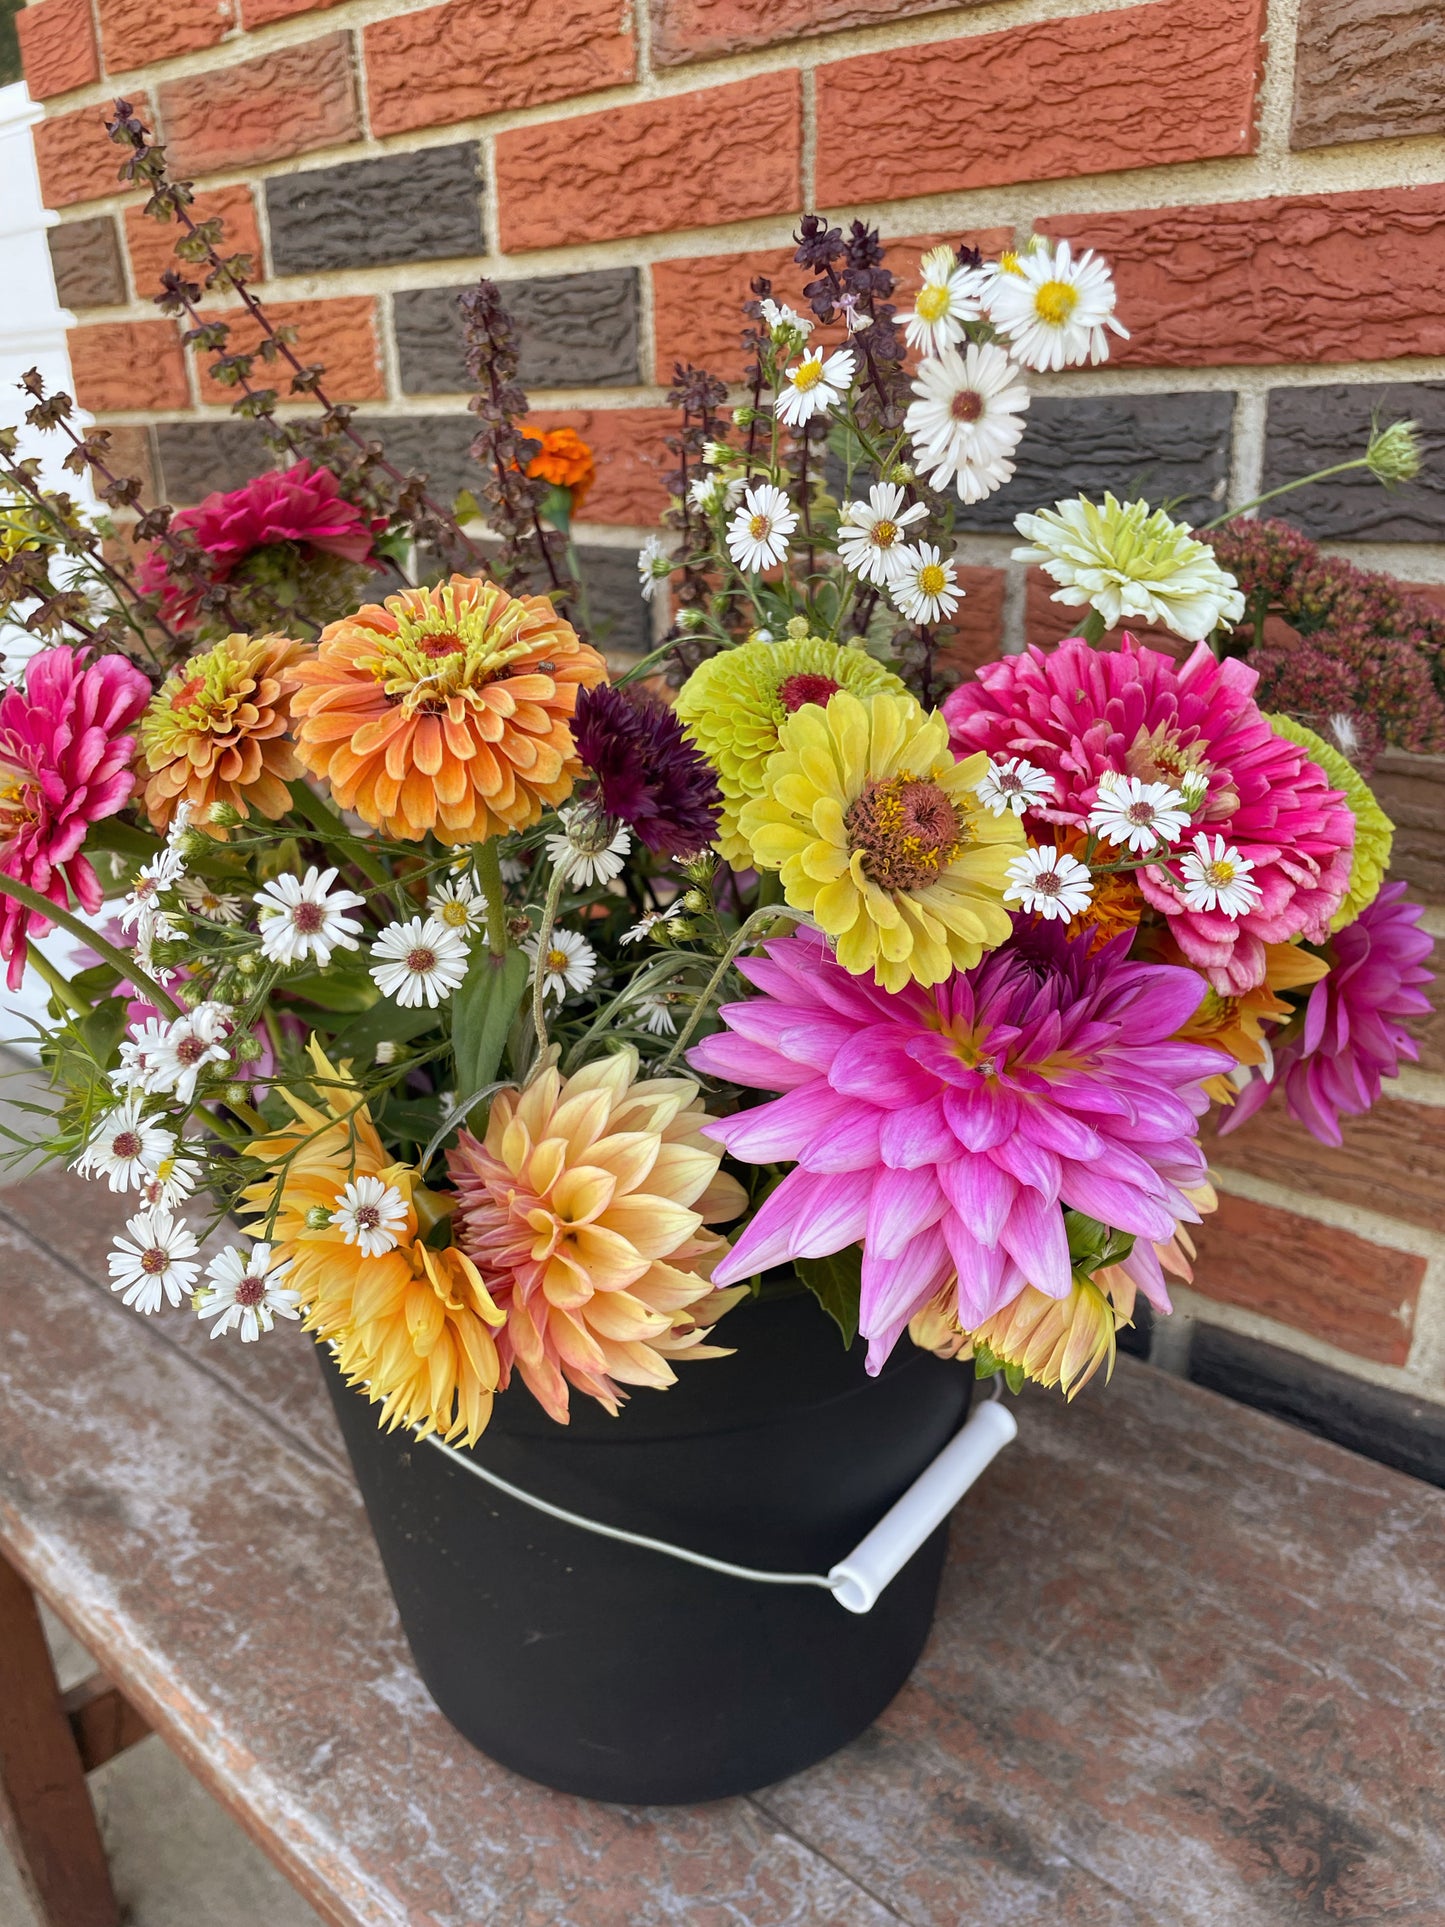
column 1353, row 1035
column 945, row 1127
column 1080, row 713
column 64, row 764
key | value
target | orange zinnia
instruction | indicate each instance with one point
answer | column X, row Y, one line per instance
column 446, row 709
column 565, row 461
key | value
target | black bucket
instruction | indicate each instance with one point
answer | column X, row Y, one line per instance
column 614, row 1671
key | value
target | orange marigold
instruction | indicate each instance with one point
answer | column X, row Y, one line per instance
column 446, row 709
column 565, row 461
column 216, row 732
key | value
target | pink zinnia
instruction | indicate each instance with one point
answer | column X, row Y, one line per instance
column 946, row 1127
column 1080, row 713
column 64, row 764
column 301, row 504
column 1353, row 1037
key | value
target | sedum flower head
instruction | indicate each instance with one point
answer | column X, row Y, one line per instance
column 734, row 704
column 1374, row 832
column 881, row 839
column 1130, row 562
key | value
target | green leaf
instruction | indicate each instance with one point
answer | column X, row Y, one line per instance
column 104, row 1028
column 837, row 1284
column 482, row 1011
column 339, row 988
column 385, row 1022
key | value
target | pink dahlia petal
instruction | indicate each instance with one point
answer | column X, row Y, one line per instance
column 902, row 1204
column 1034, row 1238
column 981, row 1195
column 893, row 1289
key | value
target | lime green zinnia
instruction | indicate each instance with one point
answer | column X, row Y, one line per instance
column 1374, row 832
column 733, row 706
column 880, row 838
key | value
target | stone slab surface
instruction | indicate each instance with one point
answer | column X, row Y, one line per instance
column 1308, row 429
column 402, row 207
column 1186, row 1670
column 1368, row 70
column 574, row 331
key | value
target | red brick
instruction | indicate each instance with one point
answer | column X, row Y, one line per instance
column 1091, row 94
column 1329, row 1283
column 1392, row 1160
column 684, row 30
column 977, row 632
column 628, row 445
column 1430, row 1031
column 341, row 333
column 151, row 243
column 284, row 103
column 128, row 366
column 76, row 160
column 57, row 47
column 131, row 34
column 1047, row 622
column 1317, row 277
column 725, row 154
column 478, row 56
column 259, row 13
column 697, row 303
column 1411, row 790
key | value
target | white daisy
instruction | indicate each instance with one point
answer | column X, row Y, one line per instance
column 513, row 869
column 192, row 1041
column 172, row 1182
column 783, row 319
column 967, row 420
column 923, row 586
column 1015, row 784
column 370, row 1214
column 125, row 1147
column 1193, row 787
column 758, row 533
column 654, row 1007
column 570, row 963
column 419, row 961
column 304, row 917
column 714, row 493
column 180, row 823
column 1139, row 816
column 589, row 848
column 949, row 296
column 1217, row 877
column 653, row 566
column 1055, row 310
column 460, row 906
column 215, row 905
column 247, row 1292
column 139, row 1055
column 160, row 1262
column 812, row 386
column 163, row 872
column 870, row 534
column 650, row 921
column 1049, row 883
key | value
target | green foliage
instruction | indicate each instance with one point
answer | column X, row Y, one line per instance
column 482, row 1012
column 836, row 1282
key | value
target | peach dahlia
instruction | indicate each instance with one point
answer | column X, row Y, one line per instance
column 446, row 709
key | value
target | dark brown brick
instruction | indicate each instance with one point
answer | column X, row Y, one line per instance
column 435, row 445
column 1411, row 790
column 424, row 206
column 1337, row 1287
column 1368, row 70
column 575, row 330
column 1392, row 1160
column 1171, row 448
column 1311, row 428
column 197, row 458
column 86, row 259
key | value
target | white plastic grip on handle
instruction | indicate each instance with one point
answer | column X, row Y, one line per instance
column 857, row 1580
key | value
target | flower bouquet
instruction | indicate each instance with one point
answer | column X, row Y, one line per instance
column 769, row 1026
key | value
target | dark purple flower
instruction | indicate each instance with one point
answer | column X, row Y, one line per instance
column 647, row 774
column 1352, row 1036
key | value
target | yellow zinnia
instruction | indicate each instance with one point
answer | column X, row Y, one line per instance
column 880, row 839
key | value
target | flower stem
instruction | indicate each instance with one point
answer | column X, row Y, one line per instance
column 1092, row 627
column 488, row 863
column 325, row 820
column 1285, row 488
column 129, row 969
column 755, row 923
column 544, row 944
column 45, row 969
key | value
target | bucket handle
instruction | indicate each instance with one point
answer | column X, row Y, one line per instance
column 856, row 1581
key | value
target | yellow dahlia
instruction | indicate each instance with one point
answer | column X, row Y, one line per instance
column 881, row 839
column 446, row 709
column 734, row 705
column 216, row 731
column 585, row 1205
column 411, row 1326
column 1374, row 832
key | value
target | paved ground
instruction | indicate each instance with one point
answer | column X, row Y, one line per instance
column 177, row 1859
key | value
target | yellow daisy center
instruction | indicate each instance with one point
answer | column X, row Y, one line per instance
column 455, row 914
column 933, row 303
column 906, row 830
column 1221, row 872
column 1055, row 302
column 883, row 534
column 931, row 579
column 759, row 526
column 807, row 375
column 1008, row 262
column 557, row 961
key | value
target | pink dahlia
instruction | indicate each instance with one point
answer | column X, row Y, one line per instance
column 1081, row 713
column 301, row 504
column 1353, row 1036
column 64, row 764
column 945, row 1127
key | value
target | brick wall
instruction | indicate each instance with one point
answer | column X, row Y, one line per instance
column 1264, row 174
